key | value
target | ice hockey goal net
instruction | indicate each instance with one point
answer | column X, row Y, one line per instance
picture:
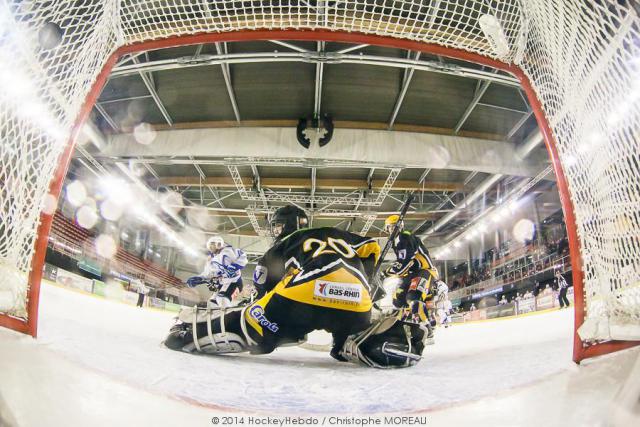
column 578, row 62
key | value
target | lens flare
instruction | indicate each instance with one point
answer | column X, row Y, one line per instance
column 144, row 133
column 76, row 193
column 111, row 210
column 105, row 246
column 86, row 217
column 49, row 204
column 523, row 230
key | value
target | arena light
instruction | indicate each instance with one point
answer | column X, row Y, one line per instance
column 116, row 189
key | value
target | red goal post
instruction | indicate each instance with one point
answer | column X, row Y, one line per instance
column 537, row 84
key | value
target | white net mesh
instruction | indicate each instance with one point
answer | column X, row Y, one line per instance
column 582, row 59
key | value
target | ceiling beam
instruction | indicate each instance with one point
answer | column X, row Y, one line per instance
column 250, row 211
column 314, row 181
column 500, row 107
column 307, row 183
column 221, row 48
column 289, row 45
column 424, row 175
column 128, row 98
column 352, row 48
column 148, row 82
column 107, row 117
column 403, row 91
column 472, row 105
column 316, row 57
column 242, row 213
column 202, row 177
column 258, row 183
column 318, row 89
column 519, row 124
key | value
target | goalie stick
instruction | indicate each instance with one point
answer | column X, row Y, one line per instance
column 377, row 285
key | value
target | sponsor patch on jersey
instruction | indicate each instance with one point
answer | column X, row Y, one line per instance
column 260, row 275
column 257, row 312
column 351, row 292
column 402, row 254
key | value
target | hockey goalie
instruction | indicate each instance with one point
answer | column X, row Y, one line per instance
column 310, row 279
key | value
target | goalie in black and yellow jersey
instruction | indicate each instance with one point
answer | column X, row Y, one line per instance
column 310, row 279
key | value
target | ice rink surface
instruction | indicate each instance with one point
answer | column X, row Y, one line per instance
column 98, row 362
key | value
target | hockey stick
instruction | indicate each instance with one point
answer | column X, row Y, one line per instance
column 387, row 246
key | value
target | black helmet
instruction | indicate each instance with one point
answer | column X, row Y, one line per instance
column 287, row 220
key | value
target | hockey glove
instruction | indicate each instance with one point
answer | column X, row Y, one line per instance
column 393, row 269
column 195, row 281
column 214, row 285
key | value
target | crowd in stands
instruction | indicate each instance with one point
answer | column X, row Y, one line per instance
column 508, row 264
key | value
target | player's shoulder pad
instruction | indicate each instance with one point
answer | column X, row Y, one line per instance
column 406, row 237
column 228, row 251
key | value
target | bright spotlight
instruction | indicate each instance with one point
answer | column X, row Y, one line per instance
column 523, row 230
column 116, row 189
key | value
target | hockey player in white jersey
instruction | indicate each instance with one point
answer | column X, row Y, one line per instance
column 222, row 272
column 443, row 305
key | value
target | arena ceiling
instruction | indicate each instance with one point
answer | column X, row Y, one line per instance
column 371, row 93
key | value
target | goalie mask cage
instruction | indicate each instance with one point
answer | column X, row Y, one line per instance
column 578, row 62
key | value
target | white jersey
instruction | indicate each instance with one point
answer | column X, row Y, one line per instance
column 442, row 295
column 225, row 265
column 443, row 305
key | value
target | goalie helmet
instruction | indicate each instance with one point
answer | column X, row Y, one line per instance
column 390, row 223
column 287, row 220
column 215, row 243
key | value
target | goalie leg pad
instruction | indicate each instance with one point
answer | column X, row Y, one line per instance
column 386, row 344
column 205, row 331
column 218, row 344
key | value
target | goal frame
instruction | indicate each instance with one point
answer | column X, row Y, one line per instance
column 581, row 350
